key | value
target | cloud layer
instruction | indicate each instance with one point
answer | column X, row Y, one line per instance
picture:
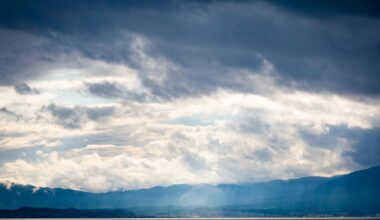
column 121, row 95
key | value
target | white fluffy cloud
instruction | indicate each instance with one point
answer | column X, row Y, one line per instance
column 225, row 137
column 107, row 137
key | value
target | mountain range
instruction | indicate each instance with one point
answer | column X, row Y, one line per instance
column 354, row 194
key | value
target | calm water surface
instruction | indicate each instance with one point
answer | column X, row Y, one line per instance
column 306, row 218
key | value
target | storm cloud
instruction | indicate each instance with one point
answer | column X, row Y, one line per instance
column 312, row 50
column 223, row 91
column 112, row 90
column 25, row 89
column 74, row 117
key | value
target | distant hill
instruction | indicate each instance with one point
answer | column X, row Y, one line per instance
column 356, row 193
column 28, row 212
column 177, row 195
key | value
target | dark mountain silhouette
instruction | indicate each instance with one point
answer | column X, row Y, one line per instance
column 28, row 212
column 356, row 193
column 176, row 195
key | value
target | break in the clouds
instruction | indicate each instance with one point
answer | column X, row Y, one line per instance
column 115, row 95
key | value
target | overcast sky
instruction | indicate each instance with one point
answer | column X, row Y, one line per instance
column 111, row 95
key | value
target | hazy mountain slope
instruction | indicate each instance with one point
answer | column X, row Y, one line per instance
column 277, row 189
column 28, row 212
column 20, row 196
column 176, row 195
column 356, row 192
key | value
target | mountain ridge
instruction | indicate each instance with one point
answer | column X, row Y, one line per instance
column 356, row 193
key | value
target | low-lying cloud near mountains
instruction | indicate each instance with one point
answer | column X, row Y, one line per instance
column 124, row 95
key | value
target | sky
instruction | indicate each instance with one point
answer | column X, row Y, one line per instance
column 115, row 95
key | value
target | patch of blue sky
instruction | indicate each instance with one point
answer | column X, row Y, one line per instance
column 190, row 121
column 67, row 97
column 196, row 120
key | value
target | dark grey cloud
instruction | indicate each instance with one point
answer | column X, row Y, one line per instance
column 67, row 117
column 320, row 9
column 18, row 57
column 321, row 47
column 107, row 89
column 328, row 140
column 365, row 142
column 27, row 55
column 96, row 113
column 75, row 117
column 25, row 89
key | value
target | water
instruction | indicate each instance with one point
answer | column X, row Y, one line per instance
column 259, row 218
